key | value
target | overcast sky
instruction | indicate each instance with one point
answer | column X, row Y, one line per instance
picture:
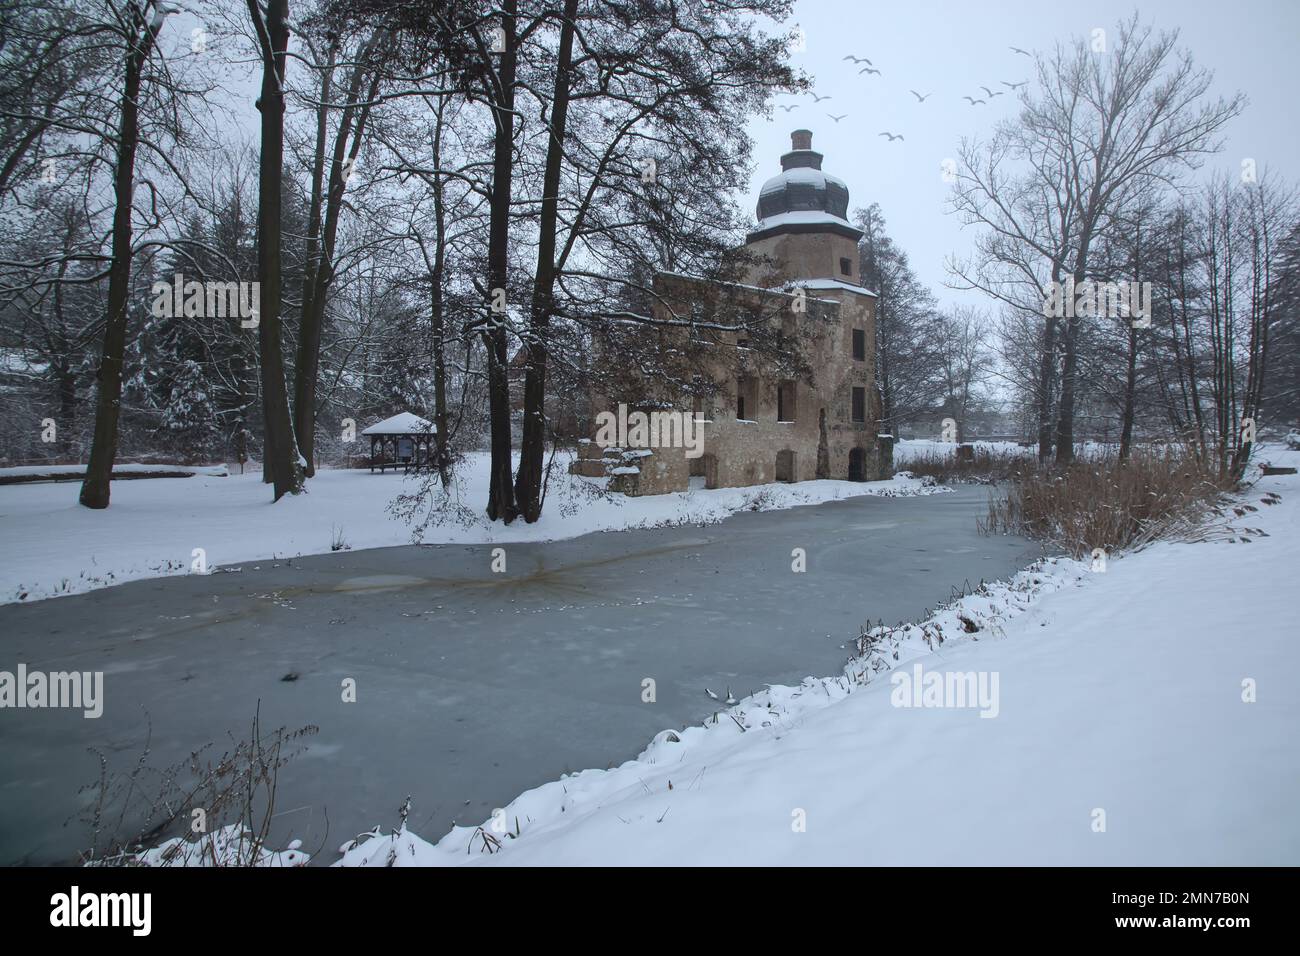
column 948, row 48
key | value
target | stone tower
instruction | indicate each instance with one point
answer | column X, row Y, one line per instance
column 803, row 224
column 758, row 424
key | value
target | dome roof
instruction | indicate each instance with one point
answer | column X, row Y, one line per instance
column 803, row 198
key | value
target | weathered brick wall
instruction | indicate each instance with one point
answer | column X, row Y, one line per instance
column 802, row 256
column 745, row 452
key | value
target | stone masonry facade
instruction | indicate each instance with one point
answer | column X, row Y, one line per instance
column 762, row 424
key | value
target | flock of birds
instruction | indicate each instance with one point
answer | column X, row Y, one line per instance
column 870, row 69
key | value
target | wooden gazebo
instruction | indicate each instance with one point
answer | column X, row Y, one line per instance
column 404, row 441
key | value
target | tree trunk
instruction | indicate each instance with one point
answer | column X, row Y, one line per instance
column 62, row 367
column 1046, row 376
column 1130, row 397
column 1070, row 360
column 501, row 500
column 528, row 483
column 280, row 449
column 311, row 266
column 108, row 407
column 1065, row 409
column 347, row 145
column 442, row 456
column 823, row 447
column 437, row 315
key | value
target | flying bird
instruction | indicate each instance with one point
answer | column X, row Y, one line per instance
column 1018, row 50
column 972, row 101
column 837, row 118
column 858, row 59
column 893, row 136
column 1014, row 86
column 919, row 97
column 867, row 69
column 789, row 108
column 818, row 99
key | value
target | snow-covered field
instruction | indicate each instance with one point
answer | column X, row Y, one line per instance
column 127, row 468
column 1140, row 715
column 909, row 449
column 54, row 547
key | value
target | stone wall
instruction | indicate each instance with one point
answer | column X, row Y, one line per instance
column 818, row 422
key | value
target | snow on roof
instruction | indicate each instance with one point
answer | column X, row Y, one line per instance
column 802, row 217
column 803, row 176
column 403, row 423
column 835, row 285
column 737, row 285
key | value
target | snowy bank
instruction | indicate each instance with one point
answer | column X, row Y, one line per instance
column 1141, row 715
column 55, row 547
column 28, row 473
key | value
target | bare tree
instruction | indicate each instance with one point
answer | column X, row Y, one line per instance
column 965, row 361
column 285, row 465
column 139, row 24
column 1103, row 122
column 360, row 89
column 908, row 326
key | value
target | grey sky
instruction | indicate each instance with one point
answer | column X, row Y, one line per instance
column 950, row 48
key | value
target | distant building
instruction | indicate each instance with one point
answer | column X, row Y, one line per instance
column 760, row 425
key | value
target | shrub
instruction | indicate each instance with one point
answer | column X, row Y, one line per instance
column 986, row 465
column 229, row 801
column 1101, row 502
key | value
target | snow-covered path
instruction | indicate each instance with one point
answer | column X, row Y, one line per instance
column 1123, row 735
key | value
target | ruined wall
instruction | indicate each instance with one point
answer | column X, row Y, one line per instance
column 750, row 451
column 746, row 451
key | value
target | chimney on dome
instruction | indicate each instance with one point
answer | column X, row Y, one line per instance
column 801, row 139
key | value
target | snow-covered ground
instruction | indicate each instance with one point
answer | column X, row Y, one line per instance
column 54, row 547
column 909, row 449
column 1143, row 714
column 126, row 468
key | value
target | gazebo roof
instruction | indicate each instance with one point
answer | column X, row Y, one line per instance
column 403, row 423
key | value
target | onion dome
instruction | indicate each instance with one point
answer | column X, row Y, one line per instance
column 803, row 198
